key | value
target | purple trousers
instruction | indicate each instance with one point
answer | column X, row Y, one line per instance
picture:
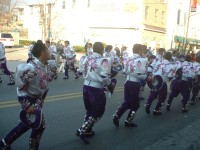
column 69, row 66
column 182, row 87
column 131, row 98
column 161, row 94
column 195, row 92
column 3, row 67
column 94, row 101
column 21, row 128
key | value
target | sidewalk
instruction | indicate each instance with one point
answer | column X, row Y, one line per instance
column 12, row 64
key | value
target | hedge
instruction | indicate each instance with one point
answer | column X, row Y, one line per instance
column 79, row 48
column 25, row 42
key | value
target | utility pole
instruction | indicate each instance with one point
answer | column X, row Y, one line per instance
column 49, row 21
column 188, row 24
column 42, row 18
column 44, row 21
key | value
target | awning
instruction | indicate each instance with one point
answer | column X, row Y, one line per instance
column 154, row 28
column 181, row 39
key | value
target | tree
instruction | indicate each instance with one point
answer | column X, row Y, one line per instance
column 7, row 11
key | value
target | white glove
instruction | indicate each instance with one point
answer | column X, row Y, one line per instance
column 150, row 69
column 143, row 77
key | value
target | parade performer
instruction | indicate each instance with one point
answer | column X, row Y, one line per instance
column 70, row 56
column 124, row 52
column 174, row 55
column 31, row 81
column 116, row 67
column 88, row 48
column 125, row 56
column 181, row 84
column 52, row 50
column 160, row 71
column 3, row 65
column 195, row 81
column 135, row 70
column 95, row 70
column 30, row 55
column 143, row 82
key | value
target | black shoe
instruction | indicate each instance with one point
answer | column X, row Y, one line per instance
column 11, row 83
column 157, row 112
column 77, row 76
column 0, row 80
column 130, row 124
column 66, row 78
column 111, row 88
column 1, row 145
column 89, row 134
column 55, row 77
column 168, row 107
column 4, row 147
column 184, row 110
column 192, row 102
column 83, row 138
column 142, row 98
column 147, row 109
column 123, row 73
column 116, row 120
column 78, row 132
column 7, row 148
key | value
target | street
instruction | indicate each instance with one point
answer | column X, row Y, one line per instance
column 64, row 111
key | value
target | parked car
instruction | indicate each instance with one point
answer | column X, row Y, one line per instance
column 7, row 39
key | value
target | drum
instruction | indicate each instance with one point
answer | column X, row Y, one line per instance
column 31, row 120
column 178, row 75
column 155, row 83
column 196, row 81
column 117, row 68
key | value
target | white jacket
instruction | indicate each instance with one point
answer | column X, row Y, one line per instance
column 136, row 68
column 95, row 69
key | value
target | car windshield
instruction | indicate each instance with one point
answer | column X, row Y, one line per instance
column 3, row 35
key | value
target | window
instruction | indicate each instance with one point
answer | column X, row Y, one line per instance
column 31, row 10
column 164, row 1
column 163, row 17
column 49, row 8
column 88, row 4
column 41, row 10
column 63, row 4
column 146, row 12
column 21, row 11
column 6, row 35
column 73, row 3
column 156, row 15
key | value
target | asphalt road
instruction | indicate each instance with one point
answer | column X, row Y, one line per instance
column 64, row 112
